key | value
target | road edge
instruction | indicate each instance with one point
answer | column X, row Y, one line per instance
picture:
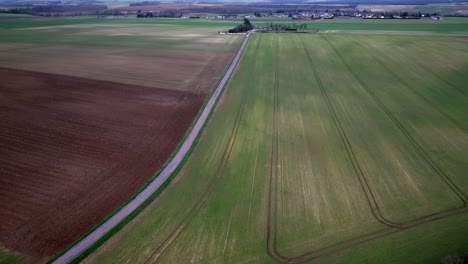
column 88, row 243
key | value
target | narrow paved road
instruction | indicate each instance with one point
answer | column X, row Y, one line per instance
column 103, row 229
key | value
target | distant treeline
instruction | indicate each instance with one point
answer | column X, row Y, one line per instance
column 168, row 13
column 235, row 9
column 57, row 10
column 285, row 27
column 14, row 3
column 145, row 3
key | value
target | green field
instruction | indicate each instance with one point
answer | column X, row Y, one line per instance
column 326, row 147
column 8, row 15
column 349, row 145
column 440, row 8
column 7, row 257
column 448, row 25
column 109, row 32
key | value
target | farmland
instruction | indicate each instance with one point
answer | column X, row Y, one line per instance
column 387, row 26
column 89, row 115
column 335, row 148
column 110, row 52
column 440, row 8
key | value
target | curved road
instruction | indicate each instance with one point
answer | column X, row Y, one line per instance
column 107, row 226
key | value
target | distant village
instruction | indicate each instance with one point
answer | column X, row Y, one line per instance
column 329, row 15
column 149, row 9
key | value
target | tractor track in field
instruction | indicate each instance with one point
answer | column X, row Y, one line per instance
column 207, row 192
column 271, row 244
column 393, row 228
column 436, row 74
column 461, row 91
column 402, row 129
column 419, row 94
column 210, row 189
column 350, row 243
column 448, row 83
column 370, row 197
column 424, row 98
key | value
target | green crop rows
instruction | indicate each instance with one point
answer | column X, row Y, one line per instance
column 326, row 147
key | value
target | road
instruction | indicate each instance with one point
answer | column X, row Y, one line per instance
column 125, row 211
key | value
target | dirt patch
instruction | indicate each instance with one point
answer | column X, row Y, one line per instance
column 205, row 79
column 166, row 69
column 73, row 149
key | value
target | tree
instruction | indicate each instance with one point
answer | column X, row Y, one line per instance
column 246, row 26
column 455, row 260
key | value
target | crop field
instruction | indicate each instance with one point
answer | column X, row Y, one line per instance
column 386, row 26
column 334, row 148
column 440, row 8
column 162, row 56
column 89, row 115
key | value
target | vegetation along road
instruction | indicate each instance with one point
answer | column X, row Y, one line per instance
column 112, row 222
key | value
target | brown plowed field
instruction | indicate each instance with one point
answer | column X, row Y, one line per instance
column 183, row 70
column 74, row 149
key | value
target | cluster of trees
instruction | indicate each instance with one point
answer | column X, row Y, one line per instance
column 246, row 26
column 287, row 27
column 454, row 259
column 167, row 13
column 406, row 14
column 257, row 14
column 58, row 10
column 402, row 14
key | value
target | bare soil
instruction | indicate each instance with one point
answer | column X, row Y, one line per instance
column 168, row 69
column 74, row 149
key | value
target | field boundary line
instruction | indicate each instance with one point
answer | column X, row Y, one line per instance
column 405, row 132
column 158, row 182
